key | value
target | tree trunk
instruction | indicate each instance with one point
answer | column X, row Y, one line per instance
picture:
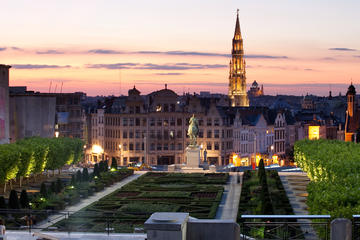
column 5, row 187
column 11, row 185
column 20, row 182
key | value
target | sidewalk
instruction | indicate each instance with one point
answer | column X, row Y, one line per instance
column 229, row 205
column 74, row 208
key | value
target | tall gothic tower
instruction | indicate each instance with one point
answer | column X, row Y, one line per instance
column 237, row 75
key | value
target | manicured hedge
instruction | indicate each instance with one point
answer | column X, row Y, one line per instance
column 334, row 170
column 130, row 206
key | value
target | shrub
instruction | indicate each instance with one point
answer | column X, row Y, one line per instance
column 96, row 170
column 24, row 200
column 85, row 175
column 43, row 190
column 78, row 176
column 59, row 185
column 114, row 163
column 52, row 188
column 13, row 200
column 2, row 203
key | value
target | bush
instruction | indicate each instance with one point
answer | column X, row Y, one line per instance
column 78, row 176
column 13, row 200
column 24, row 200
column 52, row 188
column 43, row 190
column 59, row 185
column 2, row 203
column 96, row 170
column 85, row 175
column 114, row 163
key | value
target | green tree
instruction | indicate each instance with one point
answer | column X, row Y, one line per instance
column 59, row 185
column 96, row 170
column 9, row 162
column 24, row 200
column 78, row 176
column 85, row 175
column 43, row 190
column 13, row 200
column 114, row 163
column 53, row 188
column 73, row 180
column 27, row 162
column 2, row 203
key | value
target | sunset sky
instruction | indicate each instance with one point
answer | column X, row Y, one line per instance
column 105, row 47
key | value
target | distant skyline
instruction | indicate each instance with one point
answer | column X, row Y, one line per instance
column 105, row 47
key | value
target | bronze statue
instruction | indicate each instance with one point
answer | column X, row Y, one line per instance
column 193, row 131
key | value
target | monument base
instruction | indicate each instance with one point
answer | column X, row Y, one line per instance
column 192, row 157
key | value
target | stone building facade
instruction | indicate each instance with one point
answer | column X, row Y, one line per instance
column 153, row 129
column 4, row 104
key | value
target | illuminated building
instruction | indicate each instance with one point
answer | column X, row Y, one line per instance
column 352, row 123
column 237, row 73
column 255, row 90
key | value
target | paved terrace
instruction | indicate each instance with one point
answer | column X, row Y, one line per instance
column 229, row 205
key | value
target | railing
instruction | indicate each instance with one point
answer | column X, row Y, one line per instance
column 66, row 221
column 356, row 227
column 285, row 227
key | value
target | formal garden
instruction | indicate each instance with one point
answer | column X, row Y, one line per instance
column 263, row 194
column 31, row 184
column 129, row 207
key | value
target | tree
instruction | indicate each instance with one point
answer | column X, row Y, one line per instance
column 43, row 190
column 53, row 187
column 73, row 181
column 78, row 176
column 27, row 162
column 13, row 200
column 114, row 163
column 24, row 200
column 85, row 175
column 2, row 203
column 59, row 185
column 96, row 170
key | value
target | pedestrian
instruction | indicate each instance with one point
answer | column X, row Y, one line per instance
column 2, row 230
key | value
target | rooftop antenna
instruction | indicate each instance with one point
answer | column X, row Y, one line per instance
column 62, row 83
column 50, row 86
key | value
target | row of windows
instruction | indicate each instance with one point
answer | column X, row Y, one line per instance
column 279, row 134
column 117, row 121
column 115, row 146
column 164, row 134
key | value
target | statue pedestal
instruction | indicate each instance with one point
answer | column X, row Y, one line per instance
column 192, row 159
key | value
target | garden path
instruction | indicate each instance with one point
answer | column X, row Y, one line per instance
column 228, row 207
column 295, row 184
column 74, row 208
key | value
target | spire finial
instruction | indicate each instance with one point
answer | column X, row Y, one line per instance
column 237, row 12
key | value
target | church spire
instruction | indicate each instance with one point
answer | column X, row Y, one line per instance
column 237, row 25
column 237, row 78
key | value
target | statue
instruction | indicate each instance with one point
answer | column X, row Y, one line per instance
column 193, row 130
